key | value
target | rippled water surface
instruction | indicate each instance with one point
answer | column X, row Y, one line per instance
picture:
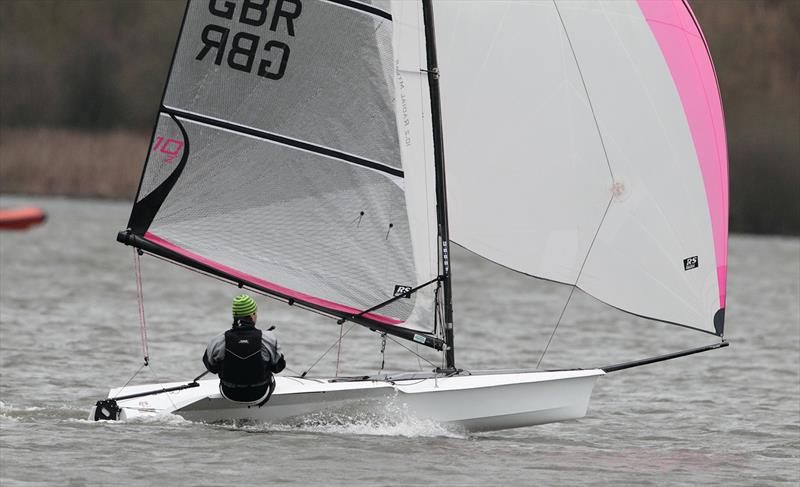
column 69, row 331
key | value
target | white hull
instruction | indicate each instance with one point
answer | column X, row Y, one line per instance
column 479, row 402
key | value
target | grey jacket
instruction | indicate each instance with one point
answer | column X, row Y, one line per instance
column 270, row 351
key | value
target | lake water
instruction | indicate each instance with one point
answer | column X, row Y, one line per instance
column 69, row 331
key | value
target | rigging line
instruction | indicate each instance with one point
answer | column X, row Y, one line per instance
column 405, row 383
column 388, row 301
column 140, row 299
column 158, row 379
column 141, row 394
column 577, row 279
column 129, row 381
column 435, row 307
column 201, row 376
column 357, row 220
column 339, row 351
column 328, row 350
column 440, row 316
column 585, row 90
column 383, row 352
column 292, row 370
column 413, row 352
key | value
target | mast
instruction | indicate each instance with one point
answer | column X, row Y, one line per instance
column 441, row 187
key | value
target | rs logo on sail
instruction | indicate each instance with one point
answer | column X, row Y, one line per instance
column 241, row 55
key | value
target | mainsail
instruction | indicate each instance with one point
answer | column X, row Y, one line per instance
column 585, row 145
column 277, row 161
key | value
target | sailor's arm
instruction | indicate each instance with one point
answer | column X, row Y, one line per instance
column 215, row 352
column 271, row 351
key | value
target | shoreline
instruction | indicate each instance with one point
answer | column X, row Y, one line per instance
column 108, row 166
column 88, row 199
column 129, row 202
column 68, row 162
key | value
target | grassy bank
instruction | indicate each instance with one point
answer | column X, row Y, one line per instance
column 71, row 163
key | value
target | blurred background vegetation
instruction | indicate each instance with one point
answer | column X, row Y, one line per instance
column 80, row 82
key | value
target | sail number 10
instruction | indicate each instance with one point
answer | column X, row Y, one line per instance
column 170, row 147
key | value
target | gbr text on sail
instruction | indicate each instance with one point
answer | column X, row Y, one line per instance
column 246, row 51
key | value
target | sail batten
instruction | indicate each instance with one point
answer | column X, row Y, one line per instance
column 364, row 7
column 280, row 139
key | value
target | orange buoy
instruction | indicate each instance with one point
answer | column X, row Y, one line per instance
column 21, row 218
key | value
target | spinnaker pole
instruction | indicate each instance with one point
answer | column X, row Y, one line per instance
column 441, row 187
column 660, row 358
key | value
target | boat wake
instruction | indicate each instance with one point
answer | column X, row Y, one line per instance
column 408, row 426
column 10, row 412
column 70, row 413
column 391, row 421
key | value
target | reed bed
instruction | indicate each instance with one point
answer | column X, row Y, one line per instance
column 71, row 163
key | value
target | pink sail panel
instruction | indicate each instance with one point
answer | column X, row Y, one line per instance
column 266, row 284
column 683, row 46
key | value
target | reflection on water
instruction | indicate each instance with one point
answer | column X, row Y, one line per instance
column 69, row 331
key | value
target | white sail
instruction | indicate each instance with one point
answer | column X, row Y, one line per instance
column 276, row 161
column 574, row 150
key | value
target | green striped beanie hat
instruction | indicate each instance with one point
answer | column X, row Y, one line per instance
column 243, row 305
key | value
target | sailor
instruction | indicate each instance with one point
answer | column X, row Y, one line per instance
column 244, row 356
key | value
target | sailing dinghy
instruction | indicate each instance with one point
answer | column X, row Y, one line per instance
column 584, row 144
